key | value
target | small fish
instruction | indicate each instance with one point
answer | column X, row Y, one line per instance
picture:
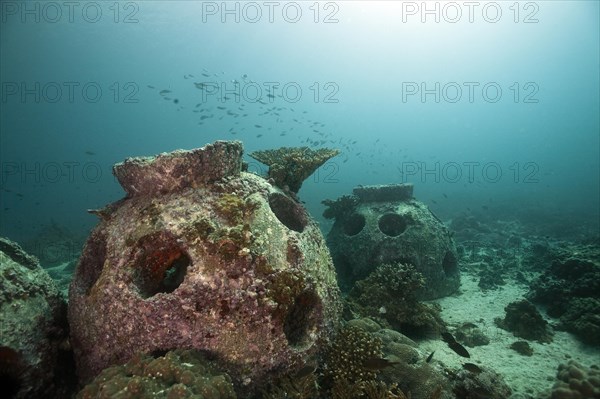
column 429, row 357
column 150, row 87
column 258, row 126
column 258, row 136
column 306, row 371
column 459, row 349
column 89, row 153
column 176, row 101
column 378, row 363
column 447, row 337
column 206, row 75
column 163, row 92
column 445, row 196
column 473, row 368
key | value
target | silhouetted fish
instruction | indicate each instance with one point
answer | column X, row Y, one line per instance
column 377, row 363
column 448, row 338
column 306, row 371
column 459, row 349
column 429, row 357
column 473, row 368
column 455, row 346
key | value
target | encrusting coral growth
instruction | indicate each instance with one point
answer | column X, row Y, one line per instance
column 35, row 354
column 348, row 355
column 352, row 363
column 177, row 374
column 340, row 208
column 202, row 255
column 576, row 381
column 523, row 320
column 290, row 166
column 390, row 294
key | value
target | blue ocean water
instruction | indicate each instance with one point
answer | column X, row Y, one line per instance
column 488, row 109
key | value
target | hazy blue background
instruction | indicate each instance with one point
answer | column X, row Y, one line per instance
column 367, row 55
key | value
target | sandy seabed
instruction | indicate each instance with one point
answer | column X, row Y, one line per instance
column 528, row 376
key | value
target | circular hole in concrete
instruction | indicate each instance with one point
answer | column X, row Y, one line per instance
column 161, row 265
column 289, row 212
column 354, row 224
column 449, row 264
column 392, row 224
column 301, row 318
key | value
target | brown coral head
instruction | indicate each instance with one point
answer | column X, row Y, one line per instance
column 290, row 166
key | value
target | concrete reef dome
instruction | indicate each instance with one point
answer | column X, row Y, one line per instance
column 200, row 255
column 385, row 225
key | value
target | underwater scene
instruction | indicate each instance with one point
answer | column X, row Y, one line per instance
column 300, row 199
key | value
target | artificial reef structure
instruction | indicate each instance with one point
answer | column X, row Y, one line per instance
column 202, row 255
column 35, row 355
column 385, row 225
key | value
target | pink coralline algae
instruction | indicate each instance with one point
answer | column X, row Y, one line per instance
column 201, row 255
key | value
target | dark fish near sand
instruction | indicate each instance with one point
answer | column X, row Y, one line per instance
column 473, row 368
column 459, row 349
column 447, row 337
column 378, row 363
column 429, row 357
column 455, row 346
